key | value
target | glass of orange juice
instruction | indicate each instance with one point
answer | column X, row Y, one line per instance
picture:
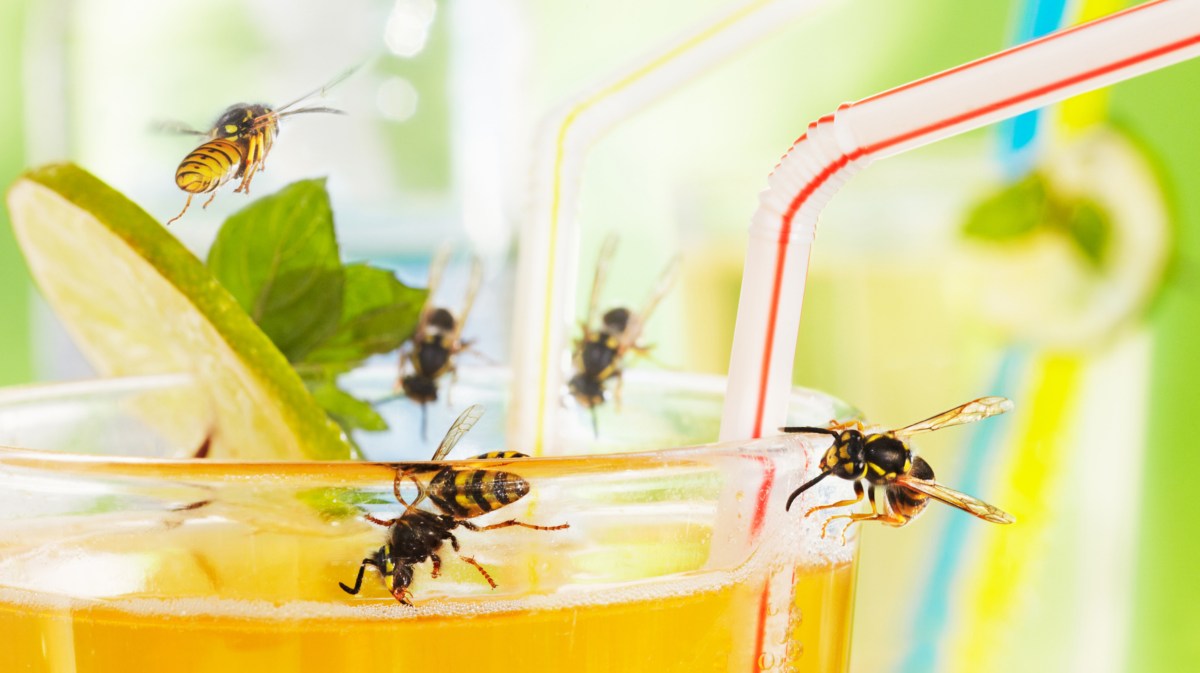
column 119, row 551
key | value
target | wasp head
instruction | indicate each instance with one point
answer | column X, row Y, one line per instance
column 616, row 320
column 234, row 122
column 846, row 458
column 442, row 319
column 398, row 583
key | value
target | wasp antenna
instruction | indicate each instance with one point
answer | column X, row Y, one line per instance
column 796, row 493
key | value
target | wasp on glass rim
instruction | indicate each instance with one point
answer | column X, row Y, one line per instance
column 437, row 339
column 607, row 339
column 460, row 494
column 883, row 458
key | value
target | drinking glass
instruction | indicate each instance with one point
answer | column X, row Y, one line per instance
column 121, row 551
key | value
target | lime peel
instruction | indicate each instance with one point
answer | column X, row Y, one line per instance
column 138, row 302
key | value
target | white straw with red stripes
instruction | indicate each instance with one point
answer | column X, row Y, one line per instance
column 1116, row 47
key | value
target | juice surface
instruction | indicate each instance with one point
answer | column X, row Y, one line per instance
column 692, row 626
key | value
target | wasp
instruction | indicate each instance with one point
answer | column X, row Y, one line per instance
column 237, row 145
column 418, row 535
column 884, row 459
column 437, row 338
column 600, row 353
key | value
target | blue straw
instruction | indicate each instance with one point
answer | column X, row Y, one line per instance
column 1017, row 150
column 1018, row 135
column 933, row 614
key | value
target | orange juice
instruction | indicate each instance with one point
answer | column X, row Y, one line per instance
column 691, row 625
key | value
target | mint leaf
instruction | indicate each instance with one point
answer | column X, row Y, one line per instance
column 1015, row 211
column 349, row 411
column 1089, row 228
column 379, row 313
column 340, row 503
column 279, row 258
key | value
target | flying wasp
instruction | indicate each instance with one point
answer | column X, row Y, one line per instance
column 237, row 145
column 437, row 338
column 600, row 352
column 883, row 458
column 418, row 535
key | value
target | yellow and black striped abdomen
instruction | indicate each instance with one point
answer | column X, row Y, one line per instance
column 493, row 455
column 469, row 493
column 907, row 503
column 209, row 166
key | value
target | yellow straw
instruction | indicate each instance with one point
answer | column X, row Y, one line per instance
column 556, row 190
column 1085, row 110
column 1037, row 472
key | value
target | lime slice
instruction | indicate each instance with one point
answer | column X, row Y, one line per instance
column 1042, row 291
column 138, row 302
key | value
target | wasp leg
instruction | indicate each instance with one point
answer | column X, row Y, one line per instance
column 884, row 518
column 254, row 162
column 512, row 522
column 380, row 522
column 185, row 208
column 468, row 347
column 437, row 566
column 858, row 496
column 453, row 371
column 399, row 480
column 244, row 186
column 406, row 355
column 889, row 518
column 839, row 426
column 210, row 199
column 358, row 580
column 617, row 390
column 478, row 567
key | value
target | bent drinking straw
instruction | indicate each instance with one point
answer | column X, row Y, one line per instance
column 549, row 255
column 1110, row 49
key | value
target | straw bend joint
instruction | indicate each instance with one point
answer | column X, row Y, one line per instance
column 807, row 177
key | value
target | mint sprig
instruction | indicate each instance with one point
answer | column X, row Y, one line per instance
column 279, row 258
column 1032, row 205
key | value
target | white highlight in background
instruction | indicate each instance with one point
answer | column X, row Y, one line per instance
column 397, row 99
column 408, row 25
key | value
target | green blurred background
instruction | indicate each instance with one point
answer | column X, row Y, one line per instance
column 906, row 314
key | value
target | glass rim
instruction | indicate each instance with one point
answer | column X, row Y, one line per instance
column 349, row 469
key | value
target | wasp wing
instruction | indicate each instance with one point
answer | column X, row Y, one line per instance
column 436, row 267
column 320, row 91
column 176, row 128
column 975, row 410
column 957, row 499
column 473, row 284
column 462, row 425
column 638, row 320
column 607, row 249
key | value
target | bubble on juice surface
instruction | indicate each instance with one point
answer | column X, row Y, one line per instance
column 386, row 608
